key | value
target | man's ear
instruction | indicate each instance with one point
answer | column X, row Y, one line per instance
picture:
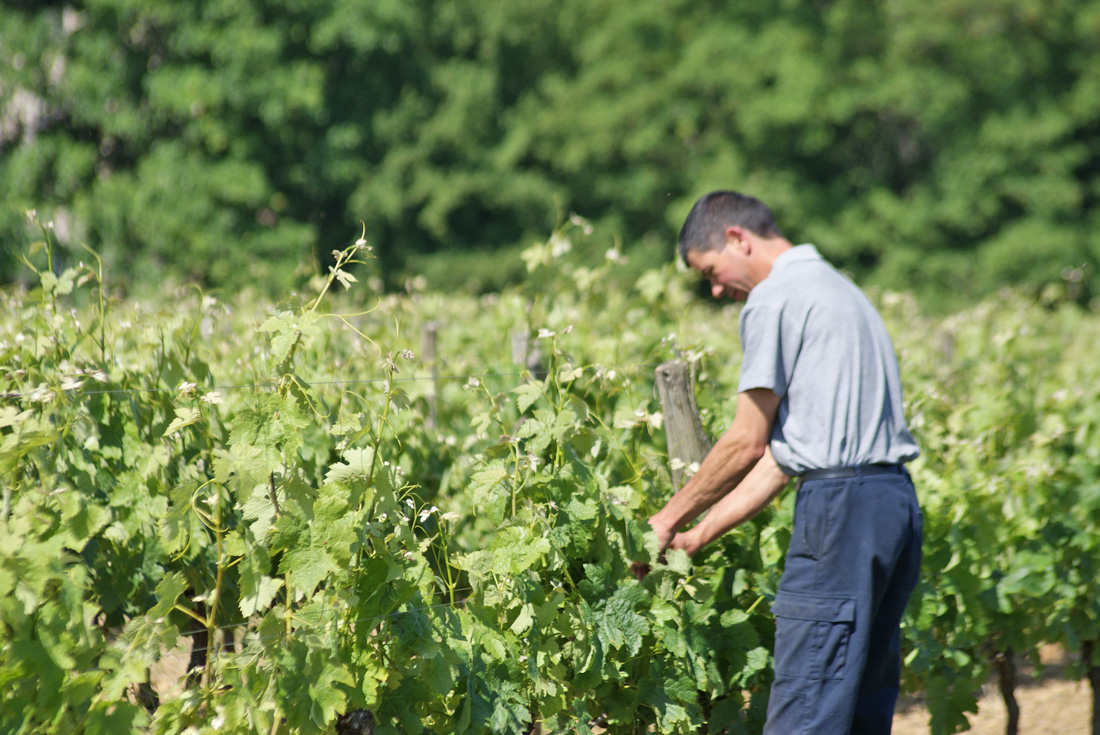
column 738, row 237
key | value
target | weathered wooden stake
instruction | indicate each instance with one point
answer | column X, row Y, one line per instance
column 525, row 355
column 520, row 338
column 428, row 337
column 687, row 441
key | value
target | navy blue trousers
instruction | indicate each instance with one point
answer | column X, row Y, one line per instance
column 853, row 561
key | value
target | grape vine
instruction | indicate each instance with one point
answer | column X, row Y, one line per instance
column 323, row 524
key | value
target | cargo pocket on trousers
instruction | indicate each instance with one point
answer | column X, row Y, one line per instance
column 811, row 635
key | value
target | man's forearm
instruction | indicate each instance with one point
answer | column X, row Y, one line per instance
column 727, row 463
column 752, row 495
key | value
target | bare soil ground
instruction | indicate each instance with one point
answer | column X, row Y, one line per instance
column 169, row 676
column 1050, row 704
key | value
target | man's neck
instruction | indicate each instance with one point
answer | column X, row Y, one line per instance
column 770, row 249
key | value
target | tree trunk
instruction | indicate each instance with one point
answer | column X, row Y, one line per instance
column 147, row 696
column 1005, row 662
column 356, row 722
column 200, row 644
column 1092, row 666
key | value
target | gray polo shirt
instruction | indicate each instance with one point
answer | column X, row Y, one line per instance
column 813, row 338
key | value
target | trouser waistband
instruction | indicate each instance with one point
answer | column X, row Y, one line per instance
column 838, row 473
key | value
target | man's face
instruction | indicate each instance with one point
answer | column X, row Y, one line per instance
column 726, row 269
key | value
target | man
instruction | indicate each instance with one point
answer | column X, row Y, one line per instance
column 819, row 398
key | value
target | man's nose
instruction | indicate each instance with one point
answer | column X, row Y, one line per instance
column 717, row 289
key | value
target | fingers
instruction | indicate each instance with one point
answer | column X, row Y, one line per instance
column 684, row 541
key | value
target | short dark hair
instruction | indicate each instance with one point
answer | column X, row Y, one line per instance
column 707, row 221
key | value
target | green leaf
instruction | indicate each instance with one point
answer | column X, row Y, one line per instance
column 258, row 590
column 757, row 660
column 619, row 624
column 49, row 282
column 33, row 433
column 82, row 518
column 184, row 417
column 356, row 466
column 286, row 329
column 180, row 526
column 113, row 717
column 523, row 620
column 345, row 278
column 307, row 568
column 517, row 549
column 168, row 593
column 679, row 561
column 65, row 282
column 261, row 511
column 487, row 495
column 513, row 550
column 53, row 637
column 327, row 700
column 526, row 395
column 510, row 715
column 10, row 416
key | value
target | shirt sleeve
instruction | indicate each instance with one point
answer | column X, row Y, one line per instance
column 766, row 362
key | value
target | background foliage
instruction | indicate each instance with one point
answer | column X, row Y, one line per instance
column 945, row 146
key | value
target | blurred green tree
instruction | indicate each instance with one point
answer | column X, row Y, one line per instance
column 940, row 145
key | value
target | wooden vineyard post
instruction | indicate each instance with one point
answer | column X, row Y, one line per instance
column 687, row 441
column 520, row 338
column 526, row 356
column 428, row 337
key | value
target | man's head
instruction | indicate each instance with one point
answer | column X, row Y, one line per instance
column 706, row 223
column 732, row 240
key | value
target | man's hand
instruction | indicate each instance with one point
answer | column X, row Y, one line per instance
column 664, row 538
column 689, row 541
column 664, row 532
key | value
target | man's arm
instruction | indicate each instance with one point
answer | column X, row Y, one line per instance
column 759, row 487
column 727, row 463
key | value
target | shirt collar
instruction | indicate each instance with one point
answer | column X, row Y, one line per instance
column 797, row 254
